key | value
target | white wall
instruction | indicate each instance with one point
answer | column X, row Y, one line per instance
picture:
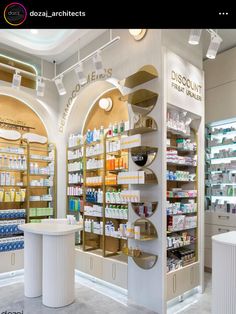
column 220, row 83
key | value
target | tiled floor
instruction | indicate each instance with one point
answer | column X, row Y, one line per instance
column 92, row 298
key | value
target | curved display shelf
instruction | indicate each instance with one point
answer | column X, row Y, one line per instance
column 144, row 157
column 144, row 209
column 145, row 260
column 143, row 75
column 143, row 101
column 148, row 231
column 144, row 125
column 149, row 176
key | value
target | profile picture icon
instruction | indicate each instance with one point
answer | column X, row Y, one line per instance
column 15, row 13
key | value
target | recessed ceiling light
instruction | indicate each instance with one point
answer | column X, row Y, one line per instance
column 34, row 31
column 138, row 34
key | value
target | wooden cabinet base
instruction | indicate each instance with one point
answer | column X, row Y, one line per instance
column 182, row 280
column 107, row 269
column 11, row 261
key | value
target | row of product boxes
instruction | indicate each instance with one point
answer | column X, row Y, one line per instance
column 42, row 211
column 11, row 244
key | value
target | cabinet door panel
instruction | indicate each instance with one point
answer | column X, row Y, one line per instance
column 12, row 260
column 95, row 264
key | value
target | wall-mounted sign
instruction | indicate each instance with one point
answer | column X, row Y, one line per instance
column 185, row 83
column 92, row 77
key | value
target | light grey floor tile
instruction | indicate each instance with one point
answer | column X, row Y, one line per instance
column 88, row 300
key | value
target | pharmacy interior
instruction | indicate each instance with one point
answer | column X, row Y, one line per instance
column 118, row 147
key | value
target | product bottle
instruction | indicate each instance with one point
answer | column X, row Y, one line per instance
column 101, row 133
column 12, row 180
column 6, row 162
column 24, row 162
column 121, row 127
column 32, row 168
column 88, row 136
column 109, row 130
column 95, row 135
column 115, row 129
column 10, row 162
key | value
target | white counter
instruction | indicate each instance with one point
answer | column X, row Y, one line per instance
column 224, row 273
column 49, row 229
column 49, row 260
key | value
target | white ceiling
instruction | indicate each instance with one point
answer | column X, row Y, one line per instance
column 49, row 44
column 53, row 44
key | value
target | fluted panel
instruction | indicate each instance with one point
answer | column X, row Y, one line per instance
column 33, row 264
column 58, row 270
column 223, row 278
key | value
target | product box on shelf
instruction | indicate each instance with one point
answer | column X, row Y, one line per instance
column 131, row 141
column 131, row 177
column 130, row 196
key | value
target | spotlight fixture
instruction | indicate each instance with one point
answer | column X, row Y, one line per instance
column 80, row 74
column 138, row 34
column 97, row 60
column 16, row 80
column 105, row 103
column 60, row 86
column 214, row 45
column 40, row 87
column 194, row 36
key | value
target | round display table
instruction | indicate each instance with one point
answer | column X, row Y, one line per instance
column 49, row 262
column 224, row 273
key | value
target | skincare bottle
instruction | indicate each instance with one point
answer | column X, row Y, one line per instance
column 121, row 127
column 109, row 130
column 115, row 129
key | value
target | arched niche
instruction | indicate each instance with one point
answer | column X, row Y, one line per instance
column 85, row 106
column 43, row 110
column 15, row 111
column 97, row 116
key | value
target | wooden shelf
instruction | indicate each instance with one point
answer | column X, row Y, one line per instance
column 13, row 170
column 141, row 98
column 142, row 130
column 75, row 147
column 41, row 174
column 74, row 171
column 41, row 160
column 74, row 159
column 173, row 231
column 143, row 75
column 40, row 187
column 179, row 181
column 14, row 186
column 179, row 133
column 143, row 149
column 179, row 165
column 177, row 248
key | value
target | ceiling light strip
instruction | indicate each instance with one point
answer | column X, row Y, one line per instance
column 109, row 43
column 20, row 71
